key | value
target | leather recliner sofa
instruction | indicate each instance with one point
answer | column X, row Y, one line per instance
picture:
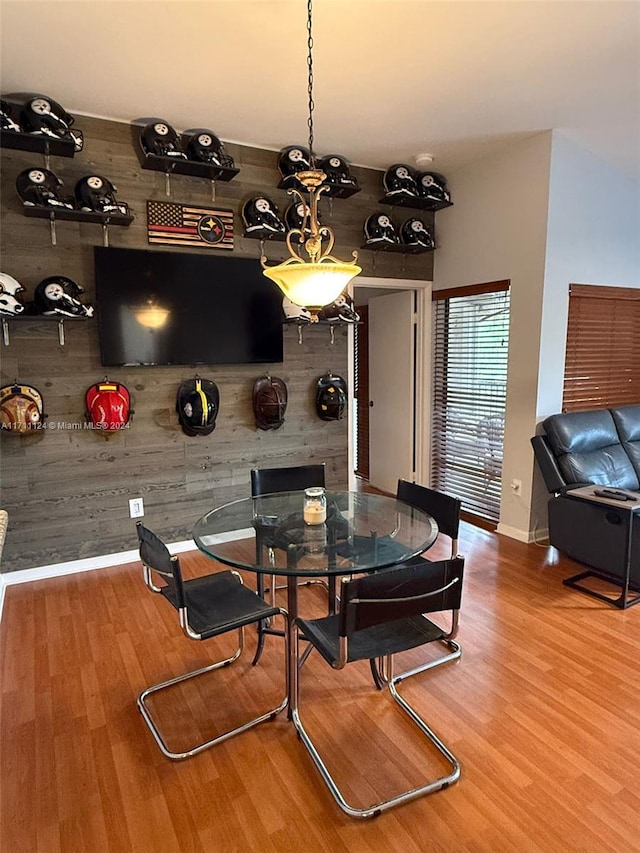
column 594, row 447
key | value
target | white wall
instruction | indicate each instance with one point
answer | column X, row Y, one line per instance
column 497, row 230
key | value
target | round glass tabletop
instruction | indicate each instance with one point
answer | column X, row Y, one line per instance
column 268, row 534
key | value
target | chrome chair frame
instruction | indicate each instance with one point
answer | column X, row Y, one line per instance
column 332, row 637
column 168, row 567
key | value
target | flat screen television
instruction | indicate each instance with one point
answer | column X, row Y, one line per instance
column 182, row 308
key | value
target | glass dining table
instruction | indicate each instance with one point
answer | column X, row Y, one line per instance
column 267, row 535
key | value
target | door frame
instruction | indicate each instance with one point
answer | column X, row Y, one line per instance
column 423, row 290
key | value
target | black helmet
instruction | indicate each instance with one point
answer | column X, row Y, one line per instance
column 261, row 214
column 413, row 232
column 158, row 137
column 340, row 311
column 399, row 180
column 293, row 159
column 379, row 228
column 41, row 188
column 432, row 185
column 203, row 146
column 98, row 194
column 336, row 168
column 294, row 215
column 58, row 294
column 7, row 118
column 42, row 116
column 269, row 400
column 197, row 405
column 331, row 397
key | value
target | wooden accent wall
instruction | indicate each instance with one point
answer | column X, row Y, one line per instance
column 67, row 490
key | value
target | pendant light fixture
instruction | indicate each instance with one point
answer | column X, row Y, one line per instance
column 318, row 279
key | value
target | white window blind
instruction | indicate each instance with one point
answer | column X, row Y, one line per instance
column 471, row 345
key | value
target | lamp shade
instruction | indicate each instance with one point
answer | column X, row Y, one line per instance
column 312, row 285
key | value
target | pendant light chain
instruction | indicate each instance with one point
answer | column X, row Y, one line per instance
column 310, row 87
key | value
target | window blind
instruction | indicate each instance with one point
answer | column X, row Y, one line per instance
column 471, row 344
column 602, row 363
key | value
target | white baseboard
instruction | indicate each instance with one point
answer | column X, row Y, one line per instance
column 522, row 535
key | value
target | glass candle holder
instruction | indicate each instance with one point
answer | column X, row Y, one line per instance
column 315, row 506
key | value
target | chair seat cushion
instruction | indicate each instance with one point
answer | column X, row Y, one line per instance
column 386, row 639
column 220, row 602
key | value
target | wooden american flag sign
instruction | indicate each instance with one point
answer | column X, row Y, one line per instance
column 173, row 224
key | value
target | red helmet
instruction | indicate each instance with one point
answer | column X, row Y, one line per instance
column 108, row 406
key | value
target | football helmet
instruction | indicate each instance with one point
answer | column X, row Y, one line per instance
column 9, row 287
column 295, row 313
column 340, row 311
column 293, row 159
column 98, row 194
column 42, row 116
column 41, row 188
column 331, row 397
column 261, row 214
column 108, row 406
column 413, row 232
column 399, row 180
column 197, row 405
column 269, row 400
column 294, row 215
column 20, row 409
column 336, row 168
column 58, row 294
column 378, row 228
column 7, row 121
column 158, row 137
column 203, row 146
column 432, row 185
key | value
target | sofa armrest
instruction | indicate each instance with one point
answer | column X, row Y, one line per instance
column 553, row 479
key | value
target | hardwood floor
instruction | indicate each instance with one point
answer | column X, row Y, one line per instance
column 542, row 710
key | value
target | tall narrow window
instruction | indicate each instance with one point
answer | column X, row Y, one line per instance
column 602, row 364
column 471, row 345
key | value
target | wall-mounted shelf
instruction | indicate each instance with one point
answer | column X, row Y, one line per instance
column 431, row 204
column 104, row 219
column 400, row 248
column 179, row 166
column 263, row 234
column 46, row 145
column 37, row 318
column 333, row 191
column 320, row 324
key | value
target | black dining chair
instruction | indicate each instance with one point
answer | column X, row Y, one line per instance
column 207, row 606
column 445, row 510
column 380, row 615
column 266, row 481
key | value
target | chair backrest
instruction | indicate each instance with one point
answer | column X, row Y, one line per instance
column 265, row 481
column 155, row 557
column 443, row 508
column 400, row 593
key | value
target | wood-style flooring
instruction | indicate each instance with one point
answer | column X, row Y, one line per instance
column 542, row 710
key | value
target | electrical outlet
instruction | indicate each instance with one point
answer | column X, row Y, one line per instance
column 136, row 508
column 516, row 487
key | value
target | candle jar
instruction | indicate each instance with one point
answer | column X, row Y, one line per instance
column 315, row 506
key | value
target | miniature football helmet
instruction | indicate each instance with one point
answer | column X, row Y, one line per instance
column 158, row 137
column 98, row 194
column 197, row 405
column 269, row 400
column 413, row 232
column 41, row 188
column 42, row 116
column 340, row 311
column 108, row 406
column 7, row 121
column 293, row 159
column 432, row 185
column 9, row 287
column 331, row 397
column 58, row 294
column 294, row 215
column 295, row 313
column 261, row 214
column 20, row 409
column 336, row 168
column 378, row 228
column 203, row 146
column 399, row 180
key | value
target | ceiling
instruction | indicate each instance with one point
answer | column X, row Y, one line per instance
column 393, row 78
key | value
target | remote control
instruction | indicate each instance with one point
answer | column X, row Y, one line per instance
column 613, row 494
